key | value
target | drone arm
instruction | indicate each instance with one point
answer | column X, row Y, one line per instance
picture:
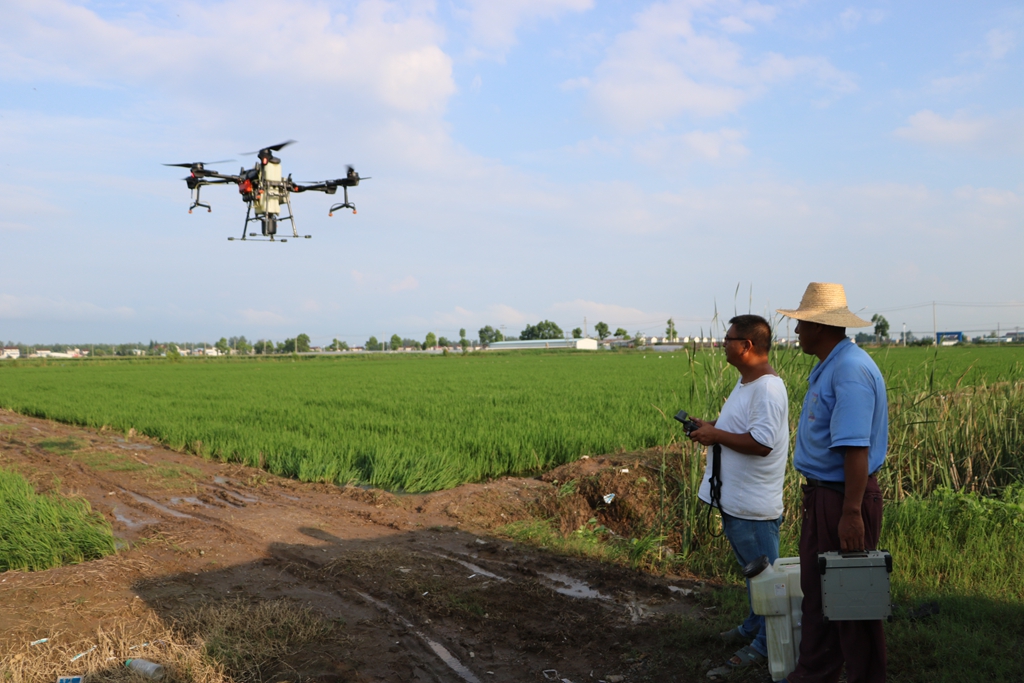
column 327, row 187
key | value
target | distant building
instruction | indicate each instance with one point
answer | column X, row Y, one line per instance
column 10, row 353
column 581, row 344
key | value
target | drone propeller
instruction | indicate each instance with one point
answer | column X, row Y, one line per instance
column 200, row 164
column 272, row 148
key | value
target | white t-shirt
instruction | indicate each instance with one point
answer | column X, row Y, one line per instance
column 751, row 484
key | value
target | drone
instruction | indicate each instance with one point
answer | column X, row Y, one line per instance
column 264, row 191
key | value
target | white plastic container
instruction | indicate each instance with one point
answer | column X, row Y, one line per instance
column 146, row 668
column 775, row 594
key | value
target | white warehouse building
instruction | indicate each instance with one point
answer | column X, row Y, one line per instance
column 581, row 344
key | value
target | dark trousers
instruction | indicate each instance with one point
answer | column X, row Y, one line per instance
column 824, row 646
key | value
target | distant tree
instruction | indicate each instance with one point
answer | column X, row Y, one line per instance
column 173, row 353
column 396, row 342
column 372, row 344
column 621, row 332
column 670, row 331
column 240, row 344
column 463, row 342
column 577, row 333
column 443, row 342
column 881, row 327
column 431, row 341
column 545, row 329
column 338, row 345
column 602, row 331
column 287, row 347
column 639, row 339
column 222, row 346
column 489, row 335
column 302, row 343
column 410, row 343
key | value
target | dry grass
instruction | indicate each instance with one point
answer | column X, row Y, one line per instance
column 231, row 642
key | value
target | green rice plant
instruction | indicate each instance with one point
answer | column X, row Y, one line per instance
column 43, row 531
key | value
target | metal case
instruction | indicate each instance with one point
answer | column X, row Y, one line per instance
column 855, row 586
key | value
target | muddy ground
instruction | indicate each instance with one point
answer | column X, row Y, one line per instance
column 403, row 588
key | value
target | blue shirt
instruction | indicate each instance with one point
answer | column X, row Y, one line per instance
column 845, row 406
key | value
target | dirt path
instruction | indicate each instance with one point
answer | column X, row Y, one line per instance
column 418, row 589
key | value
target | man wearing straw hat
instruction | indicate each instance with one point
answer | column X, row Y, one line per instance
column 840, row 444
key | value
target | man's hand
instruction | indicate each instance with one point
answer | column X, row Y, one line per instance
column 851, row 532
column 705, row 434
column 851, row 524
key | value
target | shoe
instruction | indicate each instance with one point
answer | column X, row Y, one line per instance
column 744, row 657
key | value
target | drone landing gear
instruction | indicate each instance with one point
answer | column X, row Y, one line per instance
column 268, row 226
column 344, row 205
column 199, row 203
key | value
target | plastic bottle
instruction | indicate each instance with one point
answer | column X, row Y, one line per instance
column 775, row 594
column 146, row 668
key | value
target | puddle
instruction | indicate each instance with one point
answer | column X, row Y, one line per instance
column 158, row 506
column 574, row 588
column 438, row 649
column 132, row 524
column 191, row 500
column 447, row 657
column 239, row 496
column 295, row 498
column 472, row 567
column 224, row 481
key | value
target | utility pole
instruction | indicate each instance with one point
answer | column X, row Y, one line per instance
column 904, row 334
column 935, row 327
column 585, row 335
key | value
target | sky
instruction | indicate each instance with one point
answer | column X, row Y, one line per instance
column 567, row 160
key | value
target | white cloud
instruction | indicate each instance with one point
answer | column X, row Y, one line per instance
column 15, row 307
column 718, row 146
column 989, row 196
column 493, row 23
column 928, row 127
column 253, row 316
column 406, row 284
column 1000, row 42
column 613, row 314
column 664, row 67
column 377, row 51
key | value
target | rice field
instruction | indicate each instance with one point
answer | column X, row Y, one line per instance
column 418, row 423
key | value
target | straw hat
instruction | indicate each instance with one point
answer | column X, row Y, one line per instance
column 825, row 303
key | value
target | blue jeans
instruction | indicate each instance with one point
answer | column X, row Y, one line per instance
column 751, row 538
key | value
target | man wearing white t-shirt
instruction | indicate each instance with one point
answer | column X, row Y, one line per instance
column 753, row 432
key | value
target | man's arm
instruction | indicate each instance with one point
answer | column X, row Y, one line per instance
column 851, row 524
column 708, row 434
